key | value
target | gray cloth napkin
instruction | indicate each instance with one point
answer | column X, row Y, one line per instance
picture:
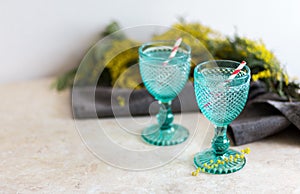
column 110, row 102
column 265, row 113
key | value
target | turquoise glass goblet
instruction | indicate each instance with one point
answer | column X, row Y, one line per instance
column 164, row 82
column 220, row 101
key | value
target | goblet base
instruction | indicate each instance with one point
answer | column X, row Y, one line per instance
column 166, row 137
column 219, row 164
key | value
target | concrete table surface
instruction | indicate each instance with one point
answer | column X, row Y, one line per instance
column 42, row 152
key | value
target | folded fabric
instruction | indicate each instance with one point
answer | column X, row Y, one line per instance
column 265, row 114
column 90, row 102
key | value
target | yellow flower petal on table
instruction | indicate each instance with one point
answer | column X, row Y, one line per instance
column 247, row 150
column 194, row 173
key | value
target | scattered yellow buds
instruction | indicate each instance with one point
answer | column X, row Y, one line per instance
column 247, row 150
column 194, row 173
column 215, row 164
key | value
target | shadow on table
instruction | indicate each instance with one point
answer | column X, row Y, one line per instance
column 290, row 136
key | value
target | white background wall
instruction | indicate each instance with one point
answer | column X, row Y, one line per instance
column 43, row 38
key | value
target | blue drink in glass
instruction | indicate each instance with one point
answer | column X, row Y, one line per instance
column 220, row 102
column 164, row 83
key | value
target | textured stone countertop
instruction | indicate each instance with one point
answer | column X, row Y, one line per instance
column 41, row 151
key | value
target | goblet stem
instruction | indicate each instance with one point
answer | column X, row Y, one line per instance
column 220, row 142
column 165, row 133
column 165, row 116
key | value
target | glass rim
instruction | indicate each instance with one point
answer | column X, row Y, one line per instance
column 246, row 67
column 186, row 48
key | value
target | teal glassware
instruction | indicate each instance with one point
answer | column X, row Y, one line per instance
column 164, row 83
column 220, row 102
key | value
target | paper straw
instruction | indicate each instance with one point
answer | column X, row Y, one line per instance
column 236, row 71
column 231, row 77
column 174, row 51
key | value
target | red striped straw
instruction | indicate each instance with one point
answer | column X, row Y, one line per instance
column 231, row 77
column 236, row 71
column 174, row 51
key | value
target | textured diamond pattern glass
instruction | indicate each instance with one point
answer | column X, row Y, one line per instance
column 164, row 83
column 220, row 102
